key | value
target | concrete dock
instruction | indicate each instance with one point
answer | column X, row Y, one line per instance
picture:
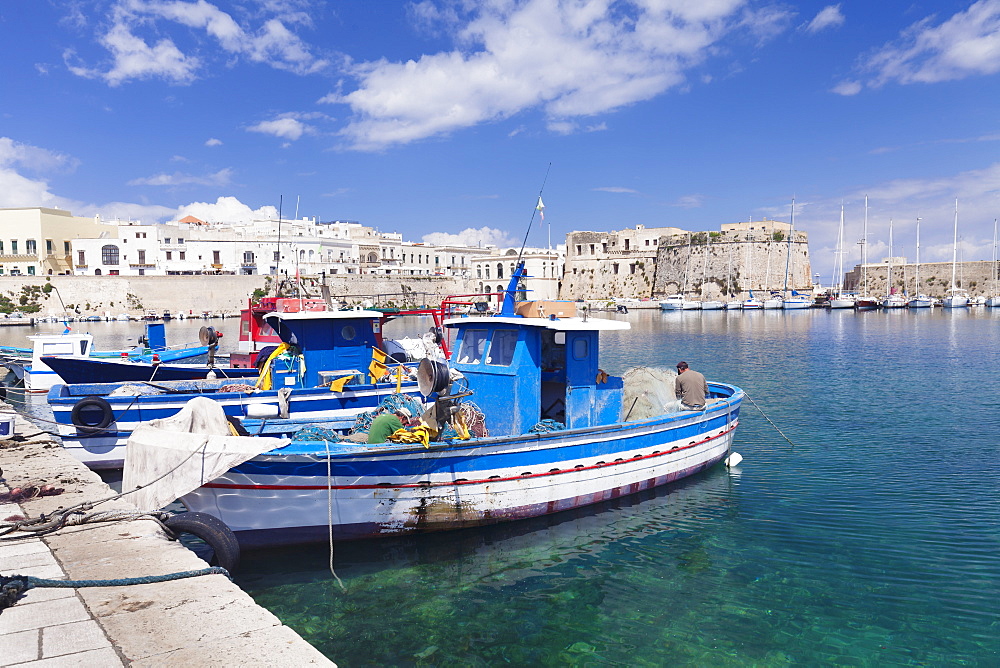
column 199, row 621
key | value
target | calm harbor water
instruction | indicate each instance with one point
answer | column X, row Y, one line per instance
column 873, row 538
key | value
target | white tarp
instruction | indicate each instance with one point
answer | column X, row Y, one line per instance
column 165, row 446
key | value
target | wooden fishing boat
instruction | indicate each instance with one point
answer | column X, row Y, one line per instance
column 559, row 435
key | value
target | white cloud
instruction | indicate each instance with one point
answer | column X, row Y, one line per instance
column 568, row 59
column 285, row 128
column 135, row 59
column 225, row 210
column 132, row 57
column 967, row 44
column 471, row 237
column 213, row 142
column 616, row 189
column 223, row 177
column 828, row 17
column 847, row 88
column 689, row 201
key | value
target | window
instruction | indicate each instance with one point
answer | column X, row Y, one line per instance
column 579, row 249
column 170, row 255
column 179, row 240
column 67, row 248
column 487, row 272
column 614, row 267
column 216, row 257
column 631, row 268
column 1, row 247
column 13, row 246
column 604, row 247
column 499, row 270
column 647, row 242
column 142, row 257
column 31, row 270
column 473, row 346
column 109, row 255
column 502, row 347
column 580, row 349
column 180, row 255
column 81, row 258
column 591, row 249
column 248, row 257
column 48, row 247
column 626, row 244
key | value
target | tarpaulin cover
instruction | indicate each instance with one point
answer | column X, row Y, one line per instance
column 165, row 446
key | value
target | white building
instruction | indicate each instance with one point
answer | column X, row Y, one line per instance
column 38, row 240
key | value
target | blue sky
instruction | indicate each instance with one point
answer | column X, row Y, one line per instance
column 442, row 118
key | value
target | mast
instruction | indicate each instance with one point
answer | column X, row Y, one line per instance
column 788, row 249
column 864, row 252
column 916, row 276
column 888, row 276
column 838, row 261
column 954, row 249
column 996, row 274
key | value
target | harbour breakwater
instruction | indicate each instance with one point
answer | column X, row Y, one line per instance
column 98, row 295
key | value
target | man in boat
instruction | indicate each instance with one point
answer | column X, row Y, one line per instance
column 387, row 423
column 690, row 387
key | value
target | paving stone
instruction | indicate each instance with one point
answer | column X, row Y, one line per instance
column 23, row 616
column 275, row 646
column 19, row 647
column 97, row 658
column 72, row 638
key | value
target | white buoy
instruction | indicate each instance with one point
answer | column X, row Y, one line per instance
column 734, row 459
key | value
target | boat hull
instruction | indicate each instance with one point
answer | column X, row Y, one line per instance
column 374, row 491
column 105, row 448
column 75, row 370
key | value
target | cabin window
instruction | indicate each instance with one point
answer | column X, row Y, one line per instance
column 581, row 349
column 473, row 346
column 502, row 347
column 348, row 332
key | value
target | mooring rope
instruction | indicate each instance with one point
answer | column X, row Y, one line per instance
column 768, row 419
column 329, row 511
column 13, row 586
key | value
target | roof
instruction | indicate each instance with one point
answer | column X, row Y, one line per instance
column 192, row 219
column 323, row 315
column 559, row 324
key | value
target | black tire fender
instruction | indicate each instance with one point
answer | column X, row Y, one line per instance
column 88, row 406
column 214, row 532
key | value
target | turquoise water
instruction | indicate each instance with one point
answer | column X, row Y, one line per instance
column 873, row 538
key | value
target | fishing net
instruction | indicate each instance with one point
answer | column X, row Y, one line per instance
column 393, row 402
column 648, row 392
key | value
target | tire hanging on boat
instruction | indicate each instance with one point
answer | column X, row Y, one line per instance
column 214, row 532
column 84, row 410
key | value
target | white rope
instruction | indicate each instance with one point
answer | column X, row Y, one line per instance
column 329, row 511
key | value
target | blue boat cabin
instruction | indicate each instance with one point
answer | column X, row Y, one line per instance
column 524, row 370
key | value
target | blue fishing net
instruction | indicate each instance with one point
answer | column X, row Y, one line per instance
column 546, row 426
column 393, row 402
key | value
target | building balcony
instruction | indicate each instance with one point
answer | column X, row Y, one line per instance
column 18, row 257
column 140, row 265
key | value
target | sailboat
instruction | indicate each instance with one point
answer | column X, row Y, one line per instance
column 957, row 297
column 796, row 301
column 751, row 304
column 838, row 299
column 921, row 300
column 708, row 304
column 865, row 302
column 995, row 299
column 732, row 304
column 891, row 300
column 679, row 301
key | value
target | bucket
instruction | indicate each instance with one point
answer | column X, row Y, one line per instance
column 6, row 426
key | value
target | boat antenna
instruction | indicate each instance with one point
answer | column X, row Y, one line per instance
column 277, row 262
column 537, row 209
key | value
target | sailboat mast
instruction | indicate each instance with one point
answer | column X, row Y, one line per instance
column 996, row 274
column 864, row 252
column 788, row 249
column 916, row 276
column 888, row 277
column 954, row 249
column 838, row 261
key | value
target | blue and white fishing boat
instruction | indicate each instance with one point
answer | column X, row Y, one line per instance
column 324, row 368
column 560, row 436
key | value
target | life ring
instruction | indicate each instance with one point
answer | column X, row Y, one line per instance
column 85, row 410
column 215, row 533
